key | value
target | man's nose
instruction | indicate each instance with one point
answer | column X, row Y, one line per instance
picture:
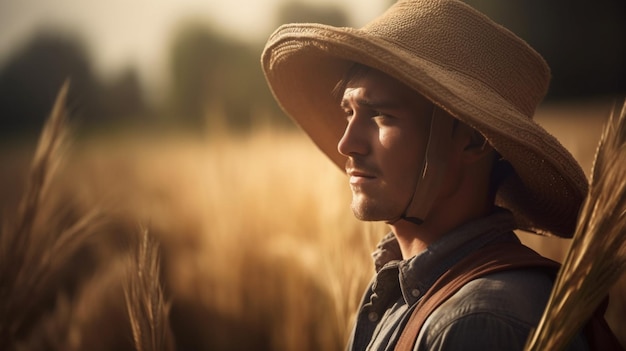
column 354, row 139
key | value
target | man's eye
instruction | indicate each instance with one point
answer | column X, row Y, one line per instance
column 383, row 119
column 378, row 114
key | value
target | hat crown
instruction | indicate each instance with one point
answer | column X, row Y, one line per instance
column 453, row 35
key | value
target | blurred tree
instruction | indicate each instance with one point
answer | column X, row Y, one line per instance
column 293, row 12
column 122, row 98
column 583, row 42
column 31, row 78
column 216, row 80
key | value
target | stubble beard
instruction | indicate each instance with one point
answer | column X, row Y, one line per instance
column 365, row 209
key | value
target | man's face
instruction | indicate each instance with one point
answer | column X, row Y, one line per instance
column 385, row 139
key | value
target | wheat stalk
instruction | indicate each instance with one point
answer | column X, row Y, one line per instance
column 17, row 246
column 31, row 257
column 147, row 310
column 597, row 255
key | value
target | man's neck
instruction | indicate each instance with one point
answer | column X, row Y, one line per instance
column 414, row 238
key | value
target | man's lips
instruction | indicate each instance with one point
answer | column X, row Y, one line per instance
column 359, row 176
column 360, row 172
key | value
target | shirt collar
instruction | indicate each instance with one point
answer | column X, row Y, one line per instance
column 418, row 273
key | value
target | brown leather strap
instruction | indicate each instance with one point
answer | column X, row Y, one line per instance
column 489, row 259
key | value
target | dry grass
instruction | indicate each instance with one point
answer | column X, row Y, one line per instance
column 47, row 256
column 259, row 249
column 597, row 256
column 253, row 243
column 33, row 252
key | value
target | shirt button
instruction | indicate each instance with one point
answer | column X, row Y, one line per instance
column 415, row 293
column 372, row 316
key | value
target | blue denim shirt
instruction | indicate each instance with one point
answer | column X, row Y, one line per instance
column 495, row 312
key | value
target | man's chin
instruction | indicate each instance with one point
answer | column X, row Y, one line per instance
column 370, row 213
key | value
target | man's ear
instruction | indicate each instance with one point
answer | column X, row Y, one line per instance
column 475, row 145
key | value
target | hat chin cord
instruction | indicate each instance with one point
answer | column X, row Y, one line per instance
column 433, row 167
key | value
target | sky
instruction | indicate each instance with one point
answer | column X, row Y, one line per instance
column 120, row 33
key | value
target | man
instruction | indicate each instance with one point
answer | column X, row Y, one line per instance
column 429, row 109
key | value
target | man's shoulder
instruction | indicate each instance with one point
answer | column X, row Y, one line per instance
column 496, row 311
column 517, row 295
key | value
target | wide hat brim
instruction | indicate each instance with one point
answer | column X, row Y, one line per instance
column 304, row 62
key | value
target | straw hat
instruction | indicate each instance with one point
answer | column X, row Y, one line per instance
column 467, row 65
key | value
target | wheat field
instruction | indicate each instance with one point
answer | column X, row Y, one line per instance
column 259, row 249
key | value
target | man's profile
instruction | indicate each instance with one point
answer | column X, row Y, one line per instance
column 428, row 109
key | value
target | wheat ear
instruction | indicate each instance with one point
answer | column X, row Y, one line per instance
column 597, row 256
column 147, row 309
